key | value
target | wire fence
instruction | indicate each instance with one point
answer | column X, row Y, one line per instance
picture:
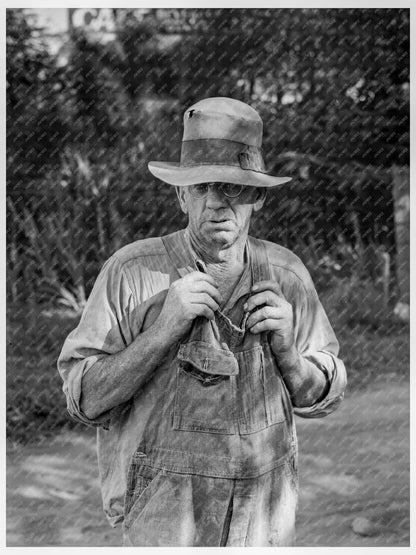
column 82, row 122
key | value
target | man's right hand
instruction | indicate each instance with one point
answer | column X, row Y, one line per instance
column 113, row 379
column 194, row 295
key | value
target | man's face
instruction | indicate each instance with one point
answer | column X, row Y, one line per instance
column 216, row 218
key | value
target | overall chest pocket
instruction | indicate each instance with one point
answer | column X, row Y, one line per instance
column 205, row 389
column 262, row 397
column 219, row 391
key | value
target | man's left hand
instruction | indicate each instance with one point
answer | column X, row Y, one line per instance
column 273, row 314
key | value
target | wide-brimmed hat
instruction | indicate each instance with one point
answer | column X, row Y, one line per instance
column 221, row 143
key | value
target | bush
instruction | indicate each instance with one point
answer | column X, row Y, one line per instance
column 374, row 345
column 77, row 216
column 36, row 405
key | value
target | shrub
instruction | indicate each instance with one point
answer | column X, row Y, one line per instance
column 36, row 405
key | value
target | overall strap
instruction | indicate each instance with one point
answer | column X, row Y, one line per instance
column 259, row 260
column 179, row 255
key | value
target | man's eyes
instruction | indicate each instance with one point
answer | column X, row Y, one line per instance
column 232, row 189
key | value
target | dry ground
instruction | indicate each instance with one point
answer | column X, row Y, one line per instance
column 354, row 463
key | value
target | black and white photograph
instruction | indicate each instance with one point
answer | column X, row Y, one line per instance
column 207, row 277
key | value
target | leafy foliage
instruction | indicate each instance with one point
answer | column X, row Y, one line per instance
column 35, row 131
column 35, row 403
column 331, row 85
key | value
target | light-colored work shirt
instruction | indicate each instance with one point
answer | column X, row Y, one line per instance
column 126, row 300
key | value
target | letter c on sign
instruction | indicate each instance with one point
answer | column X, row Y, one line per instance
column 82, row 17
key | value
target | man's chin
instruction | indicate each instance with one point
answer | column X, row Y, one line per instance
column 223, row 236
column 223, row 233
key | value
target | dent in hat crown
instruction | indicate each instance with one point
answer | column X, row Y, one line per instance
column 223, row 118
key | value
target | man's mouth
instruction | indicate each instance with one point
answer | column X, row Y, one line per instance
column 219, row 218
column 224, row 222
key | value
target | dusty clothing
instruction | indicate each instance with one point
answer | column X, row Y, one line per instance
column 216, row 407
column 173, row 509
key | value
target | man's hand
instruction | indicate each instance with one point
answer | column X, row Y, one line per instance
column 305, row 382
column 113, row 379
column 194, row 295
column 271, row 313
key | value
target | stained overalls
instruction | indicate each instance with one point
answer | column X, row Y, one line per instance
column 218, row 462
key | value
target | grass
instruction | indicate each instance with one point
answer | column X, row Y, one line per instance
column 374, row 347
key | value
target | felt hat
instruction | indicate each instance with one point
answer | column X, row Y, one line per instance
column 221, row 143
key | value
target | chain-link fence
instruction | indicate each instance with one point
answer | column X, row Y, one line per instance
column 89, row 106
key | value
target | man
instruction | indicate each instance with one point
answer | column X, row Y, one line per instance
column 193, row 351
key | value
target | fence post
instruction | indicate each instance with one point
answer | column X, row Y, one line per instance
column 401, row 194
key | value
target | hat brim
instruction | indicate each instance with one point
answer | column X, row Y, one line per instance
column 183, row 176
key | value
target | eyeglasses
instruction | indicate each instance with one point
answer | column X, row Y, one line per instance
column 230, row 190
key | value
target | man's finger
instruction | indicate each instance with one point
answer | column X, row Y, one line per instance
column 265, row 325
column 204, row 310
column 268, row 297
column 205, row 287
column 265, row 313
column 200, row 276
column 204, row 298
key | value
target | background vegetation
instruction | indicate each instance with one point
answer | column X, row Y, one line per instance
column 332, row 86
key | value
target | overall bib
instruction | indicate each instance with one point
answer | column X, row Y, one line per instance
column 218, row 462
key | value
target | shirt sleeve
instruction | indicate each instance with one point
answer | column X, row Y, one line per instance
column 103, row 329
column 316, row 341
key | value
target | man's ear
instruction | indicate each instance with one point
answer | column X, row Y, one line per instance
column 180, row 191
column 260, row 198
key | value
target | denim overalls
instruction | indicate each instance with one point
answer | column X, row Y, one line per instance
column 217, row 464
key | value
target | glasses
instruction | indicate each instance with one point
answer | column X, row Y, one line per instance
column 230, row 190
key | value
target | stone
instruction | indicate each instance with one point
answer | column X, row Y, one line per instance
column 364, row 527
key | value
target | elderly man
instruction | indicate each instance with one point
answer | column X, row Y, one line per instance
column 194, row 351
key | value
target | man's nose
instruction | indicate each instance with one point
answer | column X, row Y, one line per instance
column 215, row 198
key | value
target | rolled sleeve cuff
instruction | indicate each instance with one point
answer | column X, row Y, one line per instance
column 335, row 373
column 73, row 395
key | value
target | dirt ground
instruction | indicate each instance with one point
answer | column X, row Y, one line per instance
column 354, row 481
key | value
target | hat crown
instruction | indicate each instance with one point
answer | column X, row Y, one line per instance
column 223, row 118
column 221, row 142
